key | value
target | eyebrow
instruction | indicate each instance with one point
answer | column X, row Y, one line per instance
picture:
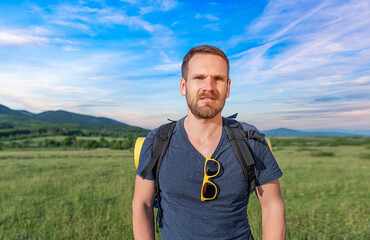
column 199, row 76
column 217, row 76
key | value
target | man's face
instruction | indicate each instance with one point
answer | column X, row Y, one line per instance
column 207, row 86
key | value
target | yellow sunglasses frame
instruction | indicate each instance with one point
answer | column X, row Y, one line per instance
column 206, row 179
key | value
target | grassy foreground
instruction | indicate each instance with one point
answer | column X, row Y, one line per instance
column 54, row 194
column 326, row 192
column 66, row 194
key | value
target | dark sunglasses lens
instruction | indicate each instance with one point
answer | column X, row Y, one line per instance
column 209, row 191
column 212, row 168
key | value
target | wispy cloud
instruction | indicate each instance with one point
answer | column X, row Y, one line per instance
column 212, row 21
column 316, row 53
column 148, row 6
column 298, row 64
column 209, row 17
column 159, row 5
column 85, row 18
column 7, row 38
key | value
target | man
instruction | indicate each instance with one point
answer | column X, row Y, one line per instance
column 200, row 135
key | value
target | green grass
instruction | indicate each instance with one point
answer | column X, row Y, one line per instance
column 87, row 194
column 326, row 197
column 66, row 195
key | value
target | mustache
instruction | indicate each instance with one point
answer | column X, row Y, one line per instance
column 210, row 94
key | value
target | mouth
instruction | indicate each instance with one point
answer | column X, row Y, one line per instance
column 208, row 97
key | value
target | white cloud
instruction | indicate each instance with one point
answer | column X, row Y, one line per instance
column 88, row 19
column 7, row 38
column 159, row 5
column 81, row 26
column 309, row 55
column 132, row 1
column 169, row 67
column 311, row 51
column 134, row 22
column 70, row 48
column 306, row 55
column 209, row 17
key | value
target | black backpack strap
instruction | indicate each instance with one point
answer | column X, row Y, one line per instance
column 239, row 141
column 252, row 134
column 161, row 141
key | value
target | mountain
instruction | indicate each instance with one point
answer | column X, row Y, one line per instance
column 8, row 111
column 292, row 132
column 26, row 113
column 282, row 132
column 61, row 116
column 68, row 117
column 23, row 118
column 340, row 130
column 18, row 124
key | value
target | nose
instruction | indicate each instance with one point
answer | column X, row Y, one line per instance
column 209, row 84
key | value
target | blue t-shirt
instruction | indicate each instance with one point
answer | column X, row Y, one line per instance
column 181, row 174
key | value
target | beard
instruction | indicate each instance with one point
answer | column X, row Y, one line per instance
column 208, row 111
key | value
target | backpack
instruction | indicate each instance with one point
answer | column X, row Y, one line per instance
column 239, row 142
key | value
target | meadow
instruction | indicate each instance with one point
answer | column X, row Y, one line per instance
column 87, row 194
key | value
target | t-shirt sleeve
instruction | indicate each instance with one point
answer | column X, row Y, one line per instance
column 146, row 155
column 266, row 167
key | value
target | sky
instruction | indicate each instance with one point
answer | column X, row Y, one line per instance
column 301, row 64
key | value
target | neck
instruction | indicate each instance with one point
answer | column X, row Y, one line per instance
column 201, row 127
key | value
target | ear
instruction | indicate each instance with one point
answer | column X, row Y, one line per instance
column 183, row 87
column 228, row 88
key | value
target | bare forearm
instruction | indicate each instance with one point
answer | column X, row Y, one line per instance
column 143, row 222
column 273, row 222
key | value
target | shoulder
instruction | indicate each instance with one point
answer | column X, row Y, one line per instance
column 146, row 154
column 150, row 144
column 149, row 138
column 257, row 143
column 249, row 127
column 164, row 128
column 266, row 167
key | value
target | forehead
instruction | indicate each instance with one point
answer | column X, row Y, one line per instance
column 207, row 63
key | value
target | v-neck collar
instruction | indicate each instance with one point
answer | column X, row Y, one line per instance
column 192, row 148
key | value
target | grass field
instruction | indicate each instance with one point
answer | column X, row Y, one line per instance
column 66, row 194
column 86, row 194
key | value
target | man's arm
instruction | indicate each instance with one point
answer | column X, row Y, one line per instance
column 273, row 211
column 142, row 209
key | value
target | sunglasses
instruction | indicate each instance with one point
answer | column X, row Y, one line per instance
column 209, row 189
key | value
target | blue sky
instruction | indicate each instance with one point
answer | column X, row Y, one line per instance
column 297, row 64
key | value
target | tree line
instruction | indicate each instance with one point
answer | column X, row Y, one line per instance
column 72, row 142
column 8, row 133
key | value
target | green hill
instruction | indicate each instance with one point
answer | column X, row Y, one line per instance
column 18, row 124
column 61, row 116
column 8, row 111
column 292, row 132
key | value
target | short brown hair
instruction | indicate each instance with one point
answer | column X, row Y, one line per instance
column 203, row 49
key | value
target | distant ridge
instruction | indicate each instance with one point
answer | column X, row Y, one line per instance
column 8, row 111
column 61, row 116
column 68, row 117
column 292, row 132
column 10, row 117
column 282, row 132
column 24, row 112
